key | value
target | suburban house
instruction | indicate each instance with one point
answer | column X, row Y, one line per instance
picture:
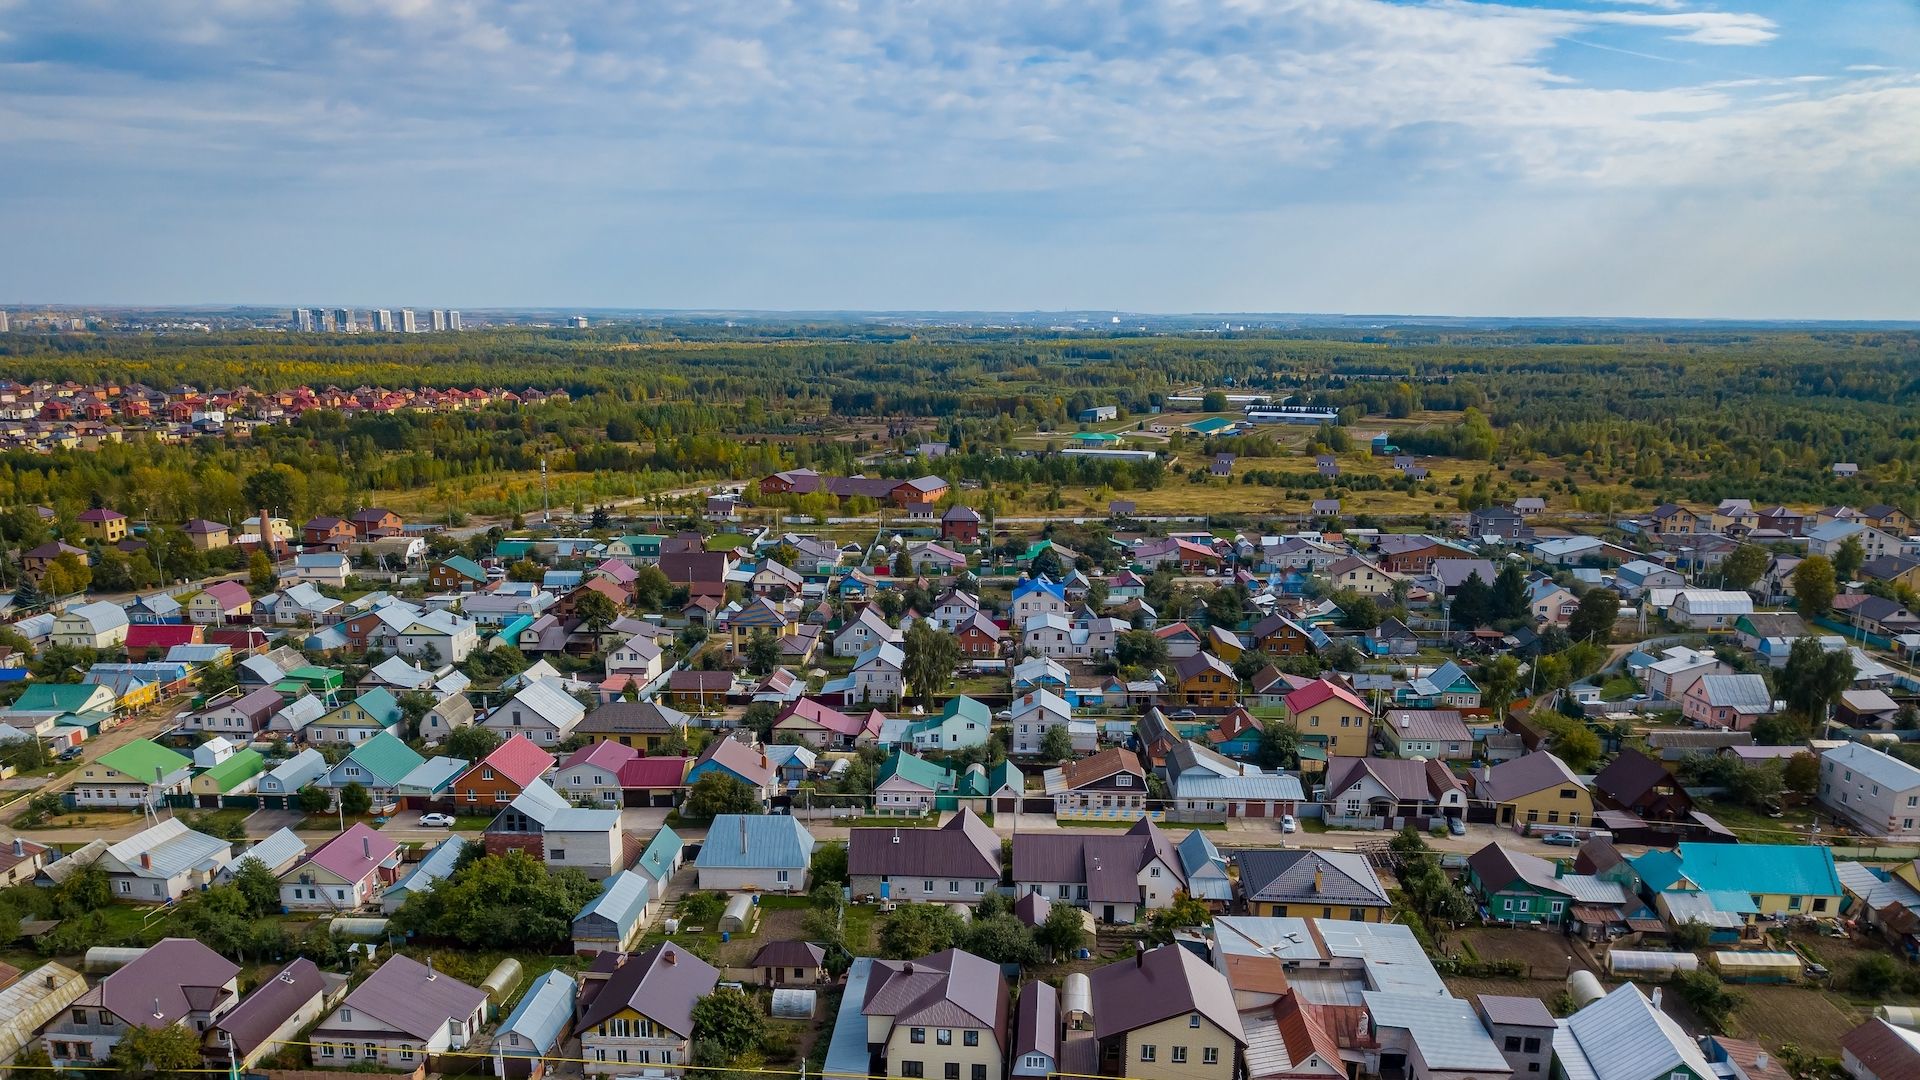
column 1207, row 787
column 956, row 863
column 541, row 710
column 1668, row 678
column 1878, row 793
column 755, row 853
column 220, row 602
column 1625, row 1035
column 136, row 774
column 1634, row 782
column 163, row 862
column 590, row 776
column 1774, row 879
column 637, row 1010
column 1515, row 887
column 236, row 713
column 1165, row 1016
column 536, row 1027
column 1205, row 679
column 1034, row 713
column 963, row 722
column 614, row 920
column 374, row 712
column 1534, row 789
column 379, row 765
column 821, row 725
column 790, row 963
column 1328, row 714
column 274, row 1015
column 643, row 725
column 540, row 822
column 503, row 774
column 1727, row 702
column 945, row 1015
column 98, row 625
column 908, row 785
column 178, row 981
column 1115, row 877
column 745, row 762
column 1427, row 733
column 1109, row 784
column 1390, row 793
column 344, row 874
column 399, row 1018
column 1309, row 883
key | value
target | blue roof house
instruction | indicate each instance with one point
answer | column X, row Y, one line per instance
column 755, row 852
column 536, row 1027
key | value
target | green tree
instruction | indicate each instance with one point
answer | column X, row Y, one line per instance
column 1141, row 649
column 1813, row 677
column 597, row 612
column 1472, row 603
column 651, row 589
column 729, row 1022
column 157, row 1051
column 1057, row 743
column 930, row 655
column 1499, row 683
column 717, row 793
column 1509, row 601
column 312, row 800
column 1709, row 998
column 1002, row 939
column 1185, row 912
column 355, row 799
column 829, row 865
column 1593, row 620
column 258, row 886
column 919, row 930
column 1802, row 774
column 1279, row 746
column 471, row 743
column 762, row 653
column 1814, row 586
column 1744, row 567
column 1847, row 559
column 279, row 489
column 1213, row 401
column 1358, row 611
column 67, row 573
column 260, row 576
column 1063, row 931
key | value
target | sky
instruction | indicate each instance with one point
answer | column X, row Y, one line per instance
column 1736, row 158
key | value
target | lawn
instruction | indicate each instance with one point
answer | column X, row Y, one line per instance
column 89, row 819
column 215, row 822
column 1619, row 687
column 1754, row 827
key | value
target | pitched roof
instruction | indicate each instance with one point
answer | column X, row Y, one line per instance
column 605, row 754
column 386, row 757
column 411, row 997
column 1087, row 770
column 645, row 773
column 519, row 760
column 544, row 1011
column 142, row 759
column 947, row 989
column 792, row 954
column 632, row 718
column 660, row 984
column 756, row 841
column 1523, row 776
column 1623, row 1037
column 162, row 985
column 1161, row 983
column 354, row 854
column 1306, row 874
column 1631, row 776
column 1321, row 690
column 963, row 847
column 255, row 1019
column 915, row 770
column 1497, row 868
column 1877, row 766
column 741, row 759
column 1883, row 1049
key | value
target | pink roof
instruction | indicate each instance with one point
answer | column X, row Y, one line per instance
column 355, row 853
column 653, row 772
column 605, row 754
column 830, row 718
column 101, row 513
column 1321, row 690
column 230, row 594
column 519, row 760
column 747, row 762
column 618, row 571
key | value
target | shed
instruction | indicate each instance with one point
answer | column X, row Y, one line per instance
column 1076, row 1001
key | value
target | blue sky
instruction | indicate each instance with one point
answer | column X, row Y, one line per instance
column 1534, row 157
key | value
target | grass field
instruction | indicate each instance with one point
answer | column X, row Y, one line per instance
column 1757, row 828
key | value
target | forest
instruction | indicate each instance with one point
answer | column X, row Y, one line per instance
column 1689, row 416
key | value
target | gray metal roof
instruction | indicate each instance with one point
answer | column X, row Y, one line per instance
column 1623, row 1037
column 541, row 1016
column 1290, row 875
column 847, row 1053
column 171, row 848
column 756, row 841
column 276, row 851
column 411, row 997
column 1447, row 1030
column 622, row 900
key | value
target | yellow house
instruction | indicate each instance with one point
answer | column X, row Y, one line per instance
column 1780, row 879
column 1205, row 679
column 643, row 1009
column 1329, row 714
column 1308, row 884
column 1225, row 643
column 1537, row 789
column 759, row 616
column 943, row 1015
column 1354, row 574
column 1165, row 1015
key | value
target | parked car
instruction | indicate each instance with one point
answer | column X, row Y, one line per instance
column 436, row 821
column 1561, row 839
column 1457, row 826
column 1287, row 824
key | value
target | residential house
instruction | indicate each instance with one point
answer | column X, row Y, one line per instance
column 1445, row 687
column 279, row 785
column 103, row 526
column 1328, row 714
column 821, row 725
column 864, row 631
column 1727, row 702
column 1668, row 678
column 535, row 1028
column 1879, row 1050
column 500, row 777
column 399, row 1018
column 345, row 874
column 1390, row 793
column 960, row 525
column 1038, row 595
column 962, row 723
column 1776, row 879
column 745, row 762
column 162, row 863
column 1876, row 792
column 1304, row 882
column 1207, row 787
column 539, row 821
column 637, row 657
column 1709, row 609
column 1116, row 877
column 755, row 853
column 236, row 714
column 326, row 568
column 451, row 712
column 379, row 765
column 541, row 710
column 456, row 573
column 1109, row 784
column 1236, row 735
column 273, row 1015
column 178, row 981
column 1515, row 887
column 1427, row 733
column 1166, row 1016
column 1278, row 635
column 437, row 865
column 637, row 1011
column 220, row 602
column 429, row 785
column 789, row 963
column 98, row 625
column 1634, row 782
column 136, row 774
column 956, row 863
column 909, row 785
column 643, row 725
column 1535, row 789
column 1625, row 1036
column 614, row 920
column 878, row 673
column 662, row 858
column 590, row 776
column 944, row 1015
column 373, row 712
column 237, row 774
column 1205, row 679
column 1639, row 577
column 1357, row 575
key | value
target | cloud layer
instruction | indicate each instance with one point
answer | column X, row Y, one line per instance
column 1002, row 153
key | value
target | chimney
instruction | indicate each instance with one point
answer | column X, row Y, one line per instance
column 907, row 969
column 431, row 974
column 146, row 861
column 1316, row 880
column 366, row 847
column 1139, row 954
column 671, row 956
column 1761, row 1061
column 743, row 832
column 1656, row 997
column 157, row 1014
column 19, row 848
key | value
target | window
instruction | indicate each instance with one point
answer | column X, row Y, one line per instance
column 979, row 887
column 1513, row 1043
column 953, row 1070
column 970, row 1037
column 912, row 1070
column 926, row 886
column 126, row 886
column 1209, row 1055
column 349, row 1051
column 780, row 876
column 1179, row 1055
column 80, row 1016
column 917, row 1035
column 978, row 1072
column 1507, row 904
column 346, row 1016
column 326, row 1050
column 1149, row 1052
column 953, row 888
column 406, row 1053
column 943, row 1036
column 1532, row 1045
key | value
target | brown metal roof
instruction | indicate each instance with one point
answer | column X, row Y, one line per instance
column 1158, row 984
column 255, row 1019
column 660, row 984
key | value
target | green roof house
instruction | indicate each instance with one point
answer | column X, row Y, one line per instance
column 379, row 764
column 131, row 775
column 235, row 776
column 910, row 785
column 963, row 723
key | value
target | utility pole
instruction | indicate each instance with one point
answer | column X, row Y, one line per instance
column 545, row 512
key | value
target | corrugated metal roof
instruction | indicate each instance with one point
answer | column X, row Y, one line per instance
column 1623, row 1037
column 541, row 1016
column 847, row 1053
column 756, row 841
column 1446, row 1029
column 621, row 902
column 171, row 848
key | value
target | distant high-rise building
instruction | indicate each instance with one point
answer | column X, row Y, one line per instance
column 6, row 326
column 383, row 320
column 578, row 322
column 325, row 319
column 437, row 318
column 343, row 318
column 303, row 320
column 453, row 321
column 406, row 321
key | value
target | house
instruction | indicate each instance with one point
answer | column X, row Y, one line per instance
column 1037, row 595
column 159, row 609
column 863, row 632
column 1878, row 1050
column 1499, row 523
column 220, row 602
column 177, row 981
column 908, row 785
column 956, row 863
column 541, row 710
column 789, row 963
column 1727, row 702
column 136, row 774
column 273, row 1015
column 1205, row 679
column 1309, row 883
column 98, row 625
column 1771, row 634
column 103, row 526
column 373, row 522
column 399, row 1018
column 1775, row 879
column 379, row 765
column 637, row 1011
column 456, row 573
column 590, row 776
column 1328, row 714
column 960, row 525
column 980, row 638
column 1634, row 782
column 1709, row 609
column 1515, row 887
column 44, row 706
column 536, row 1027
column 1535, row 789
column 279, row 785
column 1111, row 783
column 1207, row 787
column 638, row 657
column 373, row 712
column 1625, row 1036
column 1873, row 614
column 962, row 723
column 941, row 1015
column 1427, row 733
column 614, row 920
column 540, row 822
column 878, row 673
column 745, row 762
column 323, row 531
column 1639, row 577
column 1876, row 792
column 164, row 862
column 1116, row 877
column 1390, row 793
column 1166, row 1014
column 238, row 774
column 754, row 853
column 1668, row 678
column 662, row 857
column 236, row 714
column 451, row 712
column 1236, row 735
column 1867, row 708
column 322, row 568
column 345, row 874
column 503, row 774
column 435, row 867
column 1277, row 635
column 20, row 861
column 643, row 725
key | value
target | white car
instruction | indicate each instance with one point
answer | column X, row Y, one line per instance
column 436, row 821
column 1287, row 824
